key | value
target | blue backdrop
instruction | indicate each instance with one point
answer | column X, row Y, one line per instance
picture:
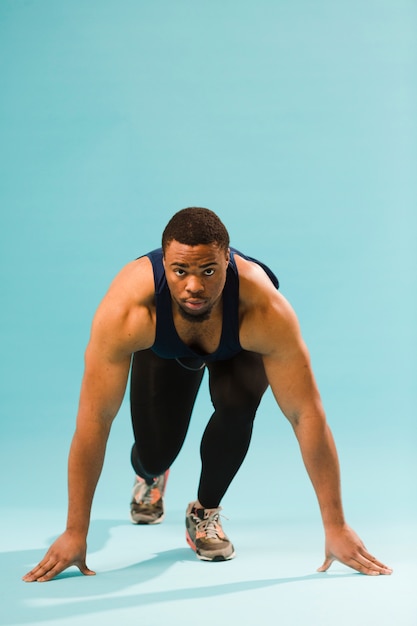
column 296, row 123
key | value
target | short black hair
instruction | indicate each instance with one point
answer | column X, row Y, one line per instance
column 194, row 226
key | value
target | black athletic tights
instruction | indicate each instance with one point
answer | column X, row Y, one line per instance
column 162, row 396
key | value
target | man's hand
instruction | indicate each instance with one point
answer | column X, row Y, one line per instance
column 344, row 545
column 67, row 550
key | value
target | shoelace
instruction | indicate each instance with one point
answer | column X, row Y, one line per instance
column 209, row 526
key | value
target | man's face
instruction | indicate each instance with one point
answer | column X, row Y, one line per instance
column 196, row 276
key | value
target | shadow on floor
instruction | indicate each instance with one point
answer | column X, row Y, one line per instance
column 72, row 594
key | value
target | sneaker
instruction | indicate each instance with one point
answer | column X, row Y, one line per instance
column 204, row 534
column 147, row 506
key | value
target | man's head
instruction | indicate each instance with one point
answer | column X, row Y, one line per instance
column 194, row 226
column 196, row 255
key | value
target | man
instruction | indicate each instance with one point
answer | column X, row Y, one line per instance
column 196, row 304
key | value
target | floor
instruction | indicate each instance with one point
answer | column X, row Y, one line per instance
column 149, row 575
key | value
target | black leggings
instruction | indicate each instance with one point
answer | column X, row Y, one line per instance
column 162, row 397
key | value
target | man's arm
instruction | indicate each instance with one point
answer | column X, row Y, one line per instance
column 270, row 327
column 119, row 329
column 289, row 373
column 102, row 392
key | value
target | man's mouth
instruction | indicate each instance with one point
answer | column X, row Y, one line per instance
column 194, row 305
column 195, row 309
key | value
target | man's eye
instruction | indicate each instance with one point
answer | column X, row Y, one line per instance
column 209, row 272
column 179, row 272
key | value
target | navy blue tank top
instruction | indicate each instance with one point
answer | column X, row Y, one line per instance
column 168, row 344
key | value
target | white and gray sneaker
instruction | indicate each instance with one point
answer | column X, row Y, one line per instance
column 147, row 505
column 205, row 535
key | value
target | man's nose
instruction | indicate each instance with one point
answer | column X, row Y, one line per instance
column 194, row 284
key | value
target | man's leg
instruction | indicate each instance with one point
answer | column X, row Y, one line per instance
column 162, row 396
column 236, row 388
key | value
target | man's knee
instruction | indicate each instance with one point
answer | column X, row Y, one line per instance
column 237, row 387
column 146, row 468
column 239, row 403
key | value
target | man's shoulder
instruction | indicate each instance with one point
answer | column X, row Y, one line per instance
column 245, row 263
column 253, row 280
column 266, row 316
column 132, row 286
column 126, row 313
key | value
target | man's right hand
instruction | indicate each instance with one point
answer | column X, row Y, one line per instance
column 69, row 549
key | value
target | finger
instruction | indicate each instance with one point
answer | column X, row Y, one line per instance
column 59, row 567
column 385, row 569
column 45, row 572
column 51, row 573
column 371, row 566
column 327, row 562
column 82, row 566
column 40, row 570
column 363, row 569
column 365, row 564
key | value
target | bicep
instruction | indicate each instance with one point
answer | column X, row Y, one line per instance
column 292, row 381
column 119, row 329
column 271, row 328
column 103, row 385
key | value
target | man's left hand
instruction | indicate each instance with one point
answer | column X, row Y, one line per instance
column 344, row 545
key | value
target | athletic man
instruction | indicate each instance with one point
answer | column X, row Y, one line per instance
column 195, row 304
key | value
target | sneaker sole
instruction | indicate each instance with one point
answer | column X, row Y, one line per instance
column 146, row 522
column 217, row 558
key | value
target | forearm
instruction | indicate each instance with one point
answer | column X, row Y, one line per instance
column 84, row 468
column 102, row 390
column 320, row 458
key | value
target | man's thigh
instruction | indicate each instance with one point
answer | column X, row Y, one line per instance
column 238, row 383
column 162, row 394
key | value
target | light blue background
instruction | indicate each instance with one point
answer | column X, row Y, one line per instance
column 296, row 123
